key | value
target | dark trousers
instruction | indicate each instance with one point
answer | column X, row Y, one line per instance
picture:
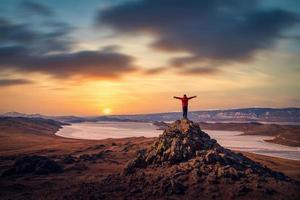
column 184, row 111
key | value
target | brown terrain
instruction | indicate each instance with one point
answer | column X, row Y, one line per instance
column 36, row 164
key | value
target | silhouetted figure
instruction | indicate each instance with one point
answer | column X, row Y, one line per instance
column 185, row 103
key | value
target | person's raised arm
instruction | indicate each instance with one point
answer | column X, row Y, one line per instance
column 176, row 97
column 192, row 97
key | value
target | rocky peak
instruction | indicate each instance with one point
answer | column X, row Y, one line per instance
column 183, row 142
column 180, row 141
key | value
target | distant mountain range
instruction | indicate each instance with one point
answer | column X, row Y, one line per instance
column 228, row 115
column 234, row 115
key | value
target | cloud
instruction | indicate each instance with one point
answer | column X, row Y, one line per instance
column 32, row 7
column 26, row 49
column 209, row 30
column 12, row 82
column 54, row 39
column 10, row 32
column 97, row 64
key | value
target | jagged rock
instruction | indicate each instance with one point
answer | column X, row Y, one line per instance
column 138, row 161
column 180, row 142
column 183, row 141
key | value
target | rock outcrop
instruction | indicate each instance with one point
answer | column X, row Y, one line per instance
column 184, row 141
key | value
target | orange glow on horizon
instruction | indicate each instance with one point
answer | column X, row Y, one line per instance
column 106, row 111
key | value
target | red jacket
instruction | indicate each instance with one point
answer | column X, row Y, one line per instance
column 185, row 100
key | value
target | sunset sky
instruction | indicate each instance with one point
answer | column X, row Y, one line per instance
column 94, row 57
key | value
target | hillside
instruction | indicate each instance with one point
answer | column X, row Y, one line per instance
column 29, row 125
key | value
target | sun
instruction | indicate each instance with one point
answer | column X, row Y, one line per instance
column 106, row 111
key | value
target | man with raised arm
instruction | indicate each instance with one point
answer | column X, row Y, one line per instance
column 185, row 103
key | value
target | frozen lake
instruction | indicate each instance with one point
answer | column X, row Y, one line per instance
column 229, row 139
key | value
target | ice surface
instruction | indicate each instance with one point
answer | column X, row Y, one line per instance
column 229, row 139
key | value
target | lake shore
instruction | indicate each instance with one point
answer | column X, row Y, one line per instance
column 232, row 139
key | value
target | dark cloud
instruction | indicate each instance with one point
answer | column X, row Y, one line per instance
column 48, row 50
column 53, row 40
column 98, row 64
column 32, row 7
column 11, row 33
column 12, row 82
column 206, row 29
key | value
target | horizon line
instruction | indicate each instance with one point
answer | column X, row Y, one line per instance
column 152, row 113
